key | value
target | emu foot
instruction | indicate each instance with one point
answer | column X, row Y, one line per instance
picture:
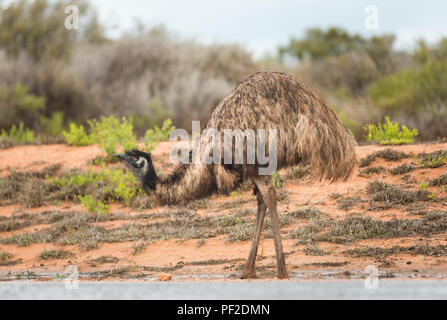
column 248, row 274
column 283, row 274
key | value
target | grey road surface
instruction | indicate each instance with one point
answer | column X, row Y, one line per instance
column 389, row 289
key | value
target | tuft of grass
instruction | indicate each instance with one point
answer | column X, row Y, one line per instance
column 374, row 252
column 138, row 248
column 82, row 229
column 372, row 170
column 277, row 180
column 240, row 233
column 359, row 228
column 155, row 135
column 388, row 154
column 198, row 204
column 19, row 186
column 432, row 160
column 243, row 212
column 200, row 242
column 355, row 227
column 12, row 224
column 329, row 264
column 377, row 252
column 111, row 133
column 55, row 254
column 102, row 260
column 282, row 195
column 92, row 205
column 77, row 136
column 384, row 192
column 5, row 259
column 307, row 213
column 309, row 233
column 18, row 135
column 5, row 256
column 335, row 195
column 312, row 249
column 428, row 250
column 439, row 181
column 99, row 187
column 348, row 203
column 390, row 133
column 402, row 169
column 33, row 193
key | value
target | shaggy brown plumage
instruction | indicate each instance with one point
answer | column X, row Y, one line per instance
column 308, row 130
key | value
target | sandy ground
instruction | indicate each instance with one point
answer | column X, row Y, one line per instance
column 216, row 258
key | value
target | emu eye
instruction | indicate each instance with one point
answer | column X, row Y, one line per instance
column 134, row 158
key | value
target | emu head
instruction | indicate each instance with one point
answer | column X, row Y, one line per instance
column 140, row 164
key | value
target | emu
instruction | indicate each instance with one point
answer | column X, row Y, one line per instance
column 307, row 131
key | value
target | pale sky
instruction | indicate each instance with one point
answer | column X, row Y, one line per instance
column 262, row 25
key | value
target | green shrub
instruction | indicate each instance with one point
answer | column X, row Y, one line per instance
column 411, row 91
column 79, row 180
column 76, row 136
column 277, row 181
column 123, row 186
column 106, row 185
column 94, row 206
column 156, row 113
column 431, row 160
column 53, row 125
column 34, row 27
column 5, row 256
column 155, row 135
column 390, row 133
column 18, row 105
column 108, row 133
column 19, row 135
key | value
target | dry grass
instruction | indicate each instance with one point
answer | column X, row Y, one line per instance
column 439, row 181
column 392, row 195
column 102, row 260
column 388, row 154
column 358, row 227
column 377, row 252
column 402, row 169
column 55, row 254
column 348, row 203
column 372, row 170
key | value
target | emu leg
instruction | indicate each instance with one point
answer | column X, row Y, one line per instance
column 280, row 260
column 249, row 269
column 268, row 193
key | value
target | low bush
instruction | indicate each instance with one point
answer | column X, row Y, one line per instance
column 19, row 135
column 390, row 133
column 77, row 136
column 96, row 189
column 411, row 90
column 109, row 133
column 155, row 135
column 94, row 206
column 431, row 160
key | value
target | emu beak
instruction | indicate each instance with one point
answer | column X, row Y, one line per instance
column 119, row 156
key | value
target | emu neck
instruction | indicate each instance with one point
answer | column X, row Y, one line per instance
column 185, row 183
column 149, row 181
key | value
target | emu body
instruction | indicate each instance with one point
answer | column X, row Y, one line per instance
column 307, row 131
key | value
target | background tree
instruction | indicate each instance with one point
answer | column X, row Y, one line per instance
column 318, row 44
column 37, row 28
